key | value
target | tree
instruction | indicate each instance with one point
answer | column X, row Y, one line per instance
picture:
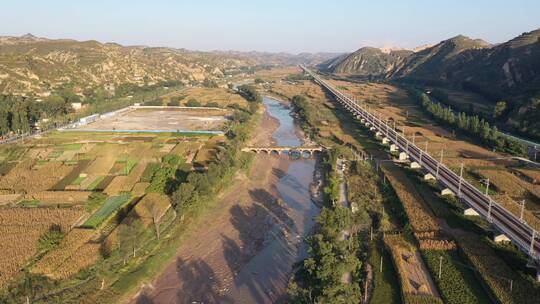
column 156, row 213
column 249, row 93
column 183, row 195
column 213, row 104
column 51, row 239
column 128, row 235
column 207, row 83
column 500, row 109
column 193, row 103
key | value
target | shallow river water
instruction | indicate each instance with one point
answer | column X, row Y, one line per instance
column 264, row 278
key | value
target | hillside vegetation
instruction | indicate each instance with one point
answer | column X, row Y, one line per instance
column 31, row 65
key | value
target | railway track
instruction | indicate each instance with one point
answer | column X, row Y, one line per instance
column 504, row 221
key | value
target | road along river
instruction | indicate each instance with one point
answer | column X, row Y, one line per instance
column 244, row 249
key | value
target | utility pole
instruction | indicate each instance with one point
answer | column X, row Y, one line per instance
column 531, row 248
column 413, row 136
column 440, row 163
column 406, row 143
column 440, row 266
column 522, row 209
column 460, row 179
column 380, row 268
column 366, row 292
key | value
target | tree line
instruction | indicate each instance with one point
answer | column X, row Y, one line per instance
column 471, row 125
column 18, row 114
column 320, row 278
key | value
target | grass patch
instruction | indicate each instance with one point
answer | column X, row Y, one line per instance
column 95, row 201
column 28, row 203
column 385, row 283
column 149, row 171
column 95, row 183
column 55, row 154
column 111, row 205
column 71, row 147
column 78, row 180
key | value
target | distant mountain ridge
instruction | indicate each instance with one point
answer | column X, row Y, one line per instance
column 32, row 65
column 367, row 61
column 508, row 71
column 38, row 66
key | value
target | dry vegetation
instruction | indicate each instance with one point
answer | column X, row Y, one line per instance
column 510, row 184
column 76, row 251
column 420, row 216
column 223, row 97
column 24, row 178
column 414, row 276
column 20, row 229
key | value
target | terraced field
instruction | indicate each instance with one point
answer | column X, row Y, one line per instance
column 79, row 182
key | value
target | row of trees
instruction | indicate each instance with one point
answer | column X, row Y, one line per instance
column 18, row 114
column 471, row 125
column 320, row 278
column 199, row 186
column 249, row 93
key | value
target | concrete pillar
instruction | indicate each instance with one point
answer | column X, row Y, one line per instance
column 447, row 191
column 385, row 140
column 499, row 238
column 415, row 165
column 429, row 176
column 367, row 124
column 372, row 129
column 403, row 156
column 393, row 148
column 361, row 119
column 471, row 212
column 378, row 133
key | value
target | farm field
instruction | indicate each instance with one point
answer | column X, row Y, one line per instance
column 20, row 230
column 416, row 281
column 72, row 184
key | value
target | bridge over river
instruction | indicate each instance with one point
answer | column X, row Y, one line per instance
column 278, row 150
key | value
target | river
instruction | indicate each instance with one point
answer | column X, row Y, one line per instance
column 264, row 279
column 243, row 250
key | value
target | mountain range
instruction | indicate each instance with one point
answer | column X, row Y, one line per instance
column 31, row 65
column 507, row 71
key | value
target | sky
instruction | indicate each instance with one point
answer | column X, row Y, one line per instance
column 272, row 25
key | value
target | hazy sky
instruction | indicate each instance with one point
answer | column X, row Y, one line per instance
column 270, row 25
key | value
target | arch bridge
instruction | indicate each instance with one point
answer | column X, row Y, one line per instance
column 278, row 150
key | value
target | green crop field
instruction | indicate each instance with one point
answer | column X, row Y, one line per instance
column 111, row 205
column 457, row 283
